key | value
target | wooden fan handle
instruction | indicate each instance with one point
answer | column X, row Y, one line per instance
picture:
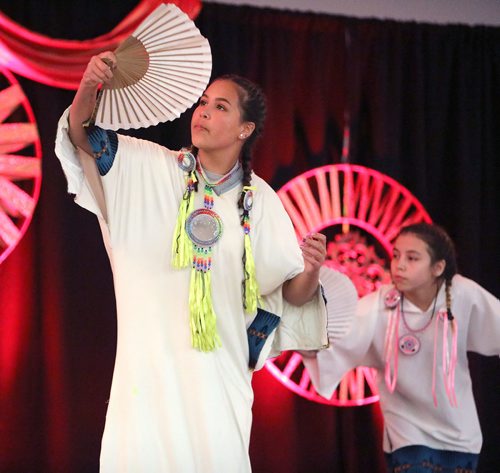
column 91, row 121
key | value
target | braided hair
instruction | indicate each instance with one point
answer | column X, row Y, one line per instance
column 252, row 106
column 440, row 247
column 253, row 109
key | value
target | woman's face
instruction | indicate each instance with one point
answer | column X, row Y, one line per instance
column 411, row 267
column 217, row 124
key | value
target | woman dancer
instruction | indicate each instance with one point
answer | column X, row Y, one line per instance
column 205, row 265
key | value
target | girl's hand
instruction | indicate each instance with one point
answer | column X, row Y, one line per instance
column 314, row 251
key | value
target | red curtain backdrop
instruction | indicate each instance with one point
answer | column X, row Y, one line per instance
column 423, row 105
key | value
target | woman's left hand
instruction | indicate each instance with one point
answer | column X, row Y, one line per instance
column 301, row 288
column 314, row 251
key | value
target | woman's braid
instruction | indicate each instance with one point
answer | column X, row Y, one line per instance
column 253, row 109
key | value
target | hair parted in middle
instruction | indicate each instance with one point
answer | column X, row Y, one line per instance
column 440, row 247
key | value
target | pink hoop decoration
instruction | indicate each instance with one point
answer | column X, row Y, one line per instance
column 20, row 166
column 347, row 196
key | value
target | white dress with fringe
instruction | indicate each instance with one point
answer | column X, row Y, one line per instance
column 173, row 409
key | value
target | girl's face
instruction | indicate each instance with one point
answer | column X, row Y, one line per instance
column 411, row 267
column 216, row 124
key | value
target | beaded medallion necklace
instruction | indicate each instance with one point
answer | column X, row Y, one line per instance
column 409, row 343
column 204, row 226
column 196, row 233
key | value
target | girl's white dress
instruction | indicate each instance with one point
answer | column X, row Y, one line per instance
column 410, row 416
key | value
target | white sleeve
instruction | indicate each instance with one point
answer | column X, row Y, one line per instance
column 72, row 168
column 275, row 247
column 484, row 323
column 329, row 366
column 140, row 169
column 332, row 309
column 278, row 258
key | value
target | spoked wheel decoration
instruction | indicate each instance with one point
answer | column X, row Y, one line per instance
column 20, row 163
column 360, row 211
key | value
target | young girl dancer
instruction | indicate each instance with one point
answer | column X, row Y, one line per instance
column 416, row 333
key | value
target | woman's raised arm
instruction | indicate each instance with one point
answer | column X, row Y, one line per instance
column 96, row 73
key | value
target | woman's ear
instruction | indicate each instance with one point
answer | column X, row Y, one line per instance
column 246, row 130
column 438, row 268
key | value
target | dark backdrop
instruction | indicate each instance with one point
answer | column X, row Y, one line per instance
column 422, row 103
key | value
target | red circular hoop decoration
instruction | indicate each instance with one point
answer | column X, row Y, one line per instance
column 20, row 163
column 348, row 196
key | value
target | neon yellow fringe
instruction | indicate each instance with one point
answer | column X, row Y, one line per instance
column 202, row 318
column 252, row 295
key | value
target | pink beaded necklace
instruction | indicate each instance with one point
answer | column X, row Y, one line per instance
column 409, row 343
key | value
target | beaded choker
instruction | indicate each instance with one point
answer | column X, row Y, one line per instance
column 195, row 234
column 222, row 183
